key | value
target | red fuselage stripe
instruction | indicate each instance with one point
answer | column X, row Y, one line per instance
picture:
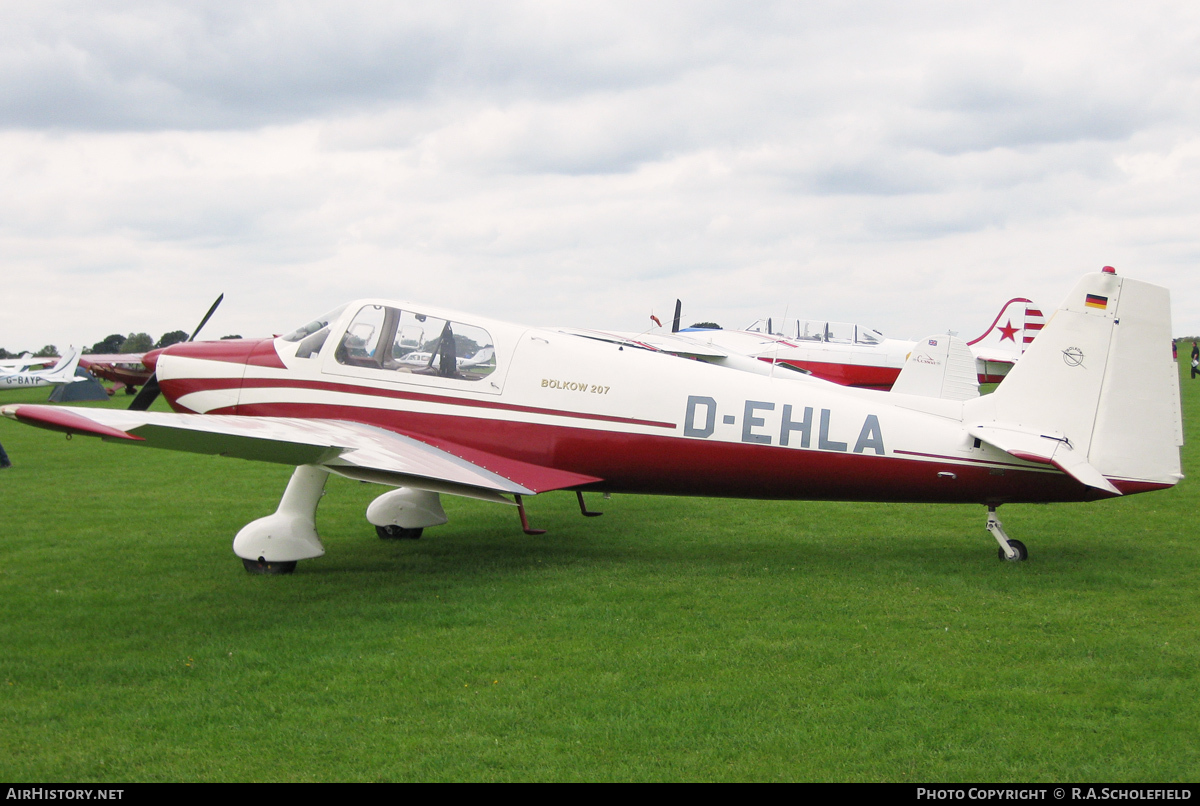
column 649, row 463
column 859, row 375
column 178, row 387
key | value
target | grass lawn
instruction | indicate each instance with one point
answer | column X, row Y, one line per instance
column 670, row 639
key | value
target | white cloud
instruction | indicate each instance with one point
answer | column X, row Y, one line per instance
column 909, row 167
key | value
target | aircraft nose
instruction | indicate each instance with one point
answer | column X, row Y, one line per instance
column 150, row 359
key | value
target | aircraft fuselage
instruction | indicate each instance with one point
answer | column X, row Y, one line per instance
column 642, row 421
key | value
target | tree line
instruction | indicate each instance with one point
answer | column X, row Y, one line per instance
column 113, row 344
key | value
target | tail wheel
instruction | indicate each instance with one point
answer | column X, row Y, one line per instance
column 1022, row 553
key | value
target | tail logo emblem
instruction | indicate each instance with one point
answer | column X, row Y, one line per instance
column 1073, row 357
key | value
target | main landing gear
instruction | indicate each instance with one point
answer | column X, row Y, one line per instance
column 393, row 532
column 273, row 544
column 1013, row 551
column 403, row 513
column 261, row 566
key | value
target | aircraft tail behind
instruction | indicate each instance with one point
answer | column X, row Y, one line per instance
column 1097, row 394
column 939, row 366
column 1011, row 332
column 64, row 370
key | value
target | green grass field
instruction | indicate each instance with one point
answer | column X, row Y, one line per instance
column 671, row 639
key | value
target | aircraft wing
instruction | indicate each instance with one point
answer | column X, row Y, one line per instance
column 111, row 358
column 993, row 356
column 672, row 343
column 353, row 450
column 11, row 366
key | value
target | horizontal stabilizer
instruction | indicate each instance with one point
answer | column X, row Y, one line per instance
column 1047, row 449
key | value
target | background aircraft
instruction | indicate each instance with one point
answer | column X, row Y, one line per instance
column 1091, row 411
column 854, row 355
column 62, row 372
column 124, row 370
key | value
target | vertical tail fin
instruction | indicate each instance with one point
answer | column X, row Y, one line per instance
column 65, row 368
column 939, row 366
column 1012, row 331
column 1099, row 384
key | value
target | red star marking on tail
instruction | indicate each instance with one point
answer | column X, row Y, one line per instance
column 1008, row 332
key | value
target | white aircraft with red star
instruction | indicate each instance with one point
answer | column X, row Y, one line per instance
column 854, row 355
column 1091, row 411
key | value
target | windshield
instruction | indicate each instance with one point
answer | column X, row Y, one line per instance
column 317, row 324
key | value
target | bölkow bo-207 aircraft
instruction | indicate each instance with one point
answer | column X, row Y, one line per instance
column 1090, row 411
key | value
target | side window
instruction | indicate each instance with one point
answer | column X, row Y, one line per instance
column 807, row 330
column 360, row 345
column 426, row 345
column 476, row 356
column 839, row 332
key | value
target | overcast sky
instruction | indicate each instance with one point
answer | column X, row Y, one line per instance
column 909, row 166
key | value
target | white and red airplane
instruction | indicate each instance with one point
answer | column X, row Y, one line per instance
column 854, row 355
column 124, row 370
column 1091, row 411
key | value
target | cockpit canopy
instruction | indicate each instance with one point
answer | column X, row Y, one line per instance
column 388, row 338
column 811, row 330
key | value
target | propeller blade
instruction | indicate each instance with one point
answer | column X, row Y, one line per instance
column 678, row 311
column 150, row 390
column 146, row 395
column 207, row 316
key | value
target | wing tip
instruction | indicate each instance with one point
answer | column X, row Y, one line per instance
column 65, row 420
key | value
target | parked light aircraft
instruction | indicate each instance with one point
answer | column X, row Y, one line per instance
column 1090, row 412
column 125, row 370
column 62, row 372
column 854, row 355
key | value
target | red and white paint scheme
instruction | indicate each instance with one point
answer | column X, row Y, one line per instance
column 853, row 355
column 1000, row 346
column 490, row 410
